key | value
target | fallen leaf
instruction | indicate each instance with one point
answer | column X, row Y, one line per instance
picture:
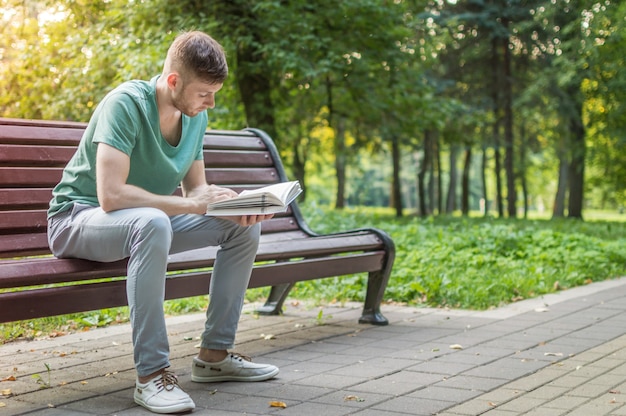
column 456, row 347
column 268, row 336
column 5, row 392
column 282, row 405
column 492, row 404
column 554, row 354
column 353, row 398
column 3, row 404
column 9, row 378
column 613, row 400
column 84, row 382
column 614, row 391
column 542, row 310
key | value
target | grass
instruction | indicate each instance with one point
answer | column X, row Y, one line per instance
column 470, row 263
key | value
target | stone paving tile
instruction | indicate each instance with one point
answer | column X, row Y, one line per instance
column 399, row 383
column 413, row 406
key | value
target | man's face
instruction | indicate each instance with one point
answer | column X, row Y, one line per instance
column 193, row 97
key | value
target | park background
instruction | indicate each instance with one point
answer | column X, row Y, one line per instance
column 486, row 136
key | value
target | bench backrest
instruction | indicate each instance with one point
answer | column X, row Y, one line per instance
column 33, row 154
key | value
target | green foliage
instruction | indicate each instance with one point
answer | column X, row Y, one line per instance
column 476, row 263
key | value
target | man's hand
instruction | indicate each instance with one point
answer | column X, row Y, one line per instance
column 246, row 220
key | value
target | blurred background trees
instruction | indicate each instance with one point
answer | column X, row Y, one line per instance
column 502, row 107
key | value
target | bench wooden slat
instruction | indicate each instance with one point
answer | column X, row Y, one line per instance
column 21, row 155
column 229, row 176
column 230, row 158
column 20, row 198
column 29, row 177
column 30, row 244
column 54, row 134
column 71, row 299
column 32, row 220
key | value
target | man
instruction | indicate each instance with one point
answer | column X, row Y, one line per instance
column 115, row 200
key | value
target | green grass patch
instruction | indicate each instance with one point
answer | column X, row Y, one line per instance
column 448, row 261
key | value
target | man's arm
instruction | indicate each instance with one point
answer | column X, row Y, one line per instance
column 112, row 170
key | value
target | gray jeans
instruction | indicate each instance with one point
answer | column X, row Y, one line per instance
column 147, row 236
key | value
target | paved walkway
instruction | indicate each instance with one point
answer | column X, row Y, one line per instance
column 564, row 354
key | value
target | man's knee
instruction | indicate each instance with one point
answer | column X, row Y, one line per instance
column 155, row 225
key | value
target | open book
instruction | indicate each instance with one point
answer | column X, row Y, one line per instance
column 267, row 200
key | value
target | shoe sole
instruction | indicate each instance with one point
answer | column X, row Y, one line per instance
column 212, row 379
column 179, row 408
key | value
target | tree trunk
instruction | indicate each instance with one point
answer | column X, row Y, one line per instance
column 256, row 88
column 299, row 165
column 577, row 165
column 522, row 167
column 396, row 185
column 559, row 200
column 340, row 163
column 451, row 198
column 465, row 181
column 509, row 158
column 437, row 193
column 496, row 125
column 483, row 180
column 421, row 175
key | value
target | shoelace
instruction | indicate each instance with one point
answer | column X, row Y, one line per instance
column 168, row 381
column 240, row 356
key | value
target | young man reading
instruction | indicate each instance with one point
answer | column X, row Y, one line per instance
column 115, row 201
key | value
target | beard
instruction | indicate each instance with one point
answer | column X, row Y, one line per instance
column 185, row 106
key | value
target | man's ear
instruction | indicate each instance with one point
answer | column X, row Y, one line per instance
column 173, row 80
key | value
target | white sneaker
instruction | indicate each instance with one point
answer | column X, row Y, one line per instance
column 162, row 394
column 234, row 367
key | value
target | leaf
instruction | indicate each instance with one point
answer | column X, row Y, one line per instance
column 9, row 378
column 554, row 354
column 542, row 310
column 353, row 398
column 456, row 347
column 282, row 405
column 5, row 392
column 268, row 336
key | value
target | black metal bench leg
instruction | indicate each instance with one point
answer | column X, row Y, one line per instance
column 274, row 303
column 376, row 284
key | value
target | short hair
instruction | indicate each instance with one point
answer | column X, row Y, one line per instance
column 198, row 54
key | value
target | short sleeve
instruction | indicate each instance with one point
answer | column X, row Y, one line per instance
column 118, row 123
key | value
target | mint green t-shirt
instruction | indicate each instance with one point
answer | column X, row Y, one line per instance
column 128, row 119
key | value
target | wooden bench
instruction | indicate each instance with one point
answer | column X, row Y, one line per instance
column 35, row 284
